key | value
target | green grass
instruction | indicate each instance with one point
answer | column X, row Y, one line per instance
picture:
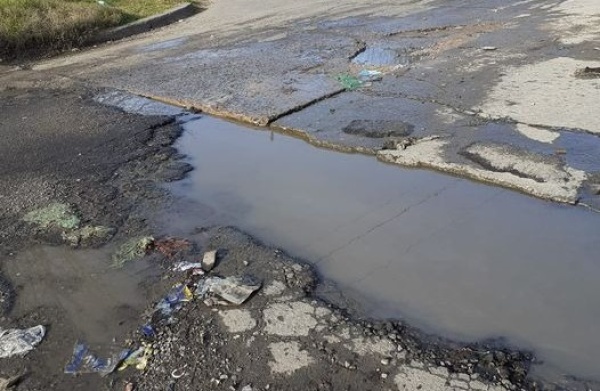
column 38, row 27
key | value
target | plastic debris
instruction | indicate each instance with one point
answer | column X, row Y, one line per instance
column 209, row 260
column 169, row 247
column 177, row 373
column 349, row 82
column 138, row 358
column 131, row 250
column 84, row 361
column 129, row 387
column 20, row 342
column 147, row 330
column 235, row 290
column 180, row 293
column 369, row 75
column 184, row 266
column 54, row 215
column 489, row 48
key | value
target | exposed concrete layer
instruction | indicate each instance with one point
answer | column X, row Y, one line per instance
column 547, row 93
column 498, row 164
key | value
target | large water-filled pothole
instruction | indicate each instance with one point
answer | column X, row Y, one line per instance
column 453, row 256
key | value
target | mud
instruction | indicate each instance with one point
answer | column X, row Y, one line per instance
column 75, row 174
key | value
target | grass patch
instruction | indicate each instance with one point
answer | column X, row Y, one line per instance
column 37, row 27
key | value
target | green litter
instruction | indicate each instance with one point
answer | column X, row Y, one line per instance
column 131, row 250
column 349, row 82
column 54, row 215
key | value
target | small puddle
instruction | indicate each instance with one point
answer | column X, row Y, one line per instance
column 381, row 57
column 455, row 257
column 98, row 302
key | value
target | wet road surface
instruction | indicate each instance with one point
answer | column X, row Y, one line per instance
column 453, row 256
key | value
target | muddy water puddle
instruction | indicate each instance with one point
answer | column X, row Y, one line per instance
column 96, row 302
column 452, row 256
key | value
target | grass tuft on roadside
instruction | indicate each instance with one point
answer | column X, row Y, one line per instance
column 36, row 27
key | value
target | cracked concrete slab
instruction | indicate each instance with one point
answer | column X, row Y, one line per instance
column 327, row 122
column 497, row 164
column 256, row 82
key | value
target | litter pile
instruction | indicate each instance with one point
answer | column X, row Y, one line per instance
column 197, row 285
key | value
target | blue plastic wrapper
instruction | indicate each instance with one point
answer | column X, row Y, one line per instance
column 84, row 361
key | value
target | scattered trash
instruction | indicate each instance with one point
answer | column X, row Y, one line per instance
column 247, row 388
column 369, row 75
column 6, row 383
column 84, row 361
column 169, row 247
column 20, row 342
column 489, row 48
column 56, row 214
column 209, row 260
column 138, row 358
column 177, row 374
column 588, row 73
column 129, row 387
column 131, row 250
column 349, row 82
column 147, row 330
column 180, row 293
column 184, row 266
column 235, row 290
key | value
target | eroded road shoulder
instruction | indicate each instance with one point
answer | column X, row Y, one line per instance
column 284, row 337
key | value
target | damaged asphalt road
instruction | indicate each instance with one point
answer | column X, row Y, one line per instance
column 460, row 91
column 454, row 72
column 88, row 165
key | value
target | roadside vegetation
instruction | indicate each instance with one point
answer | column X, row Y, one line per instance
column 38, row 27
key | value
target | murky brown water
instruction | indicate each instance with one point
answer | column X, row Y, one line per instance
column 452, row 256
column 99, row 303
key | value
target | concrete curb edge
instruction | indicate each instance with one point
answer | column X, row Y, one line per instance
column 172, row 15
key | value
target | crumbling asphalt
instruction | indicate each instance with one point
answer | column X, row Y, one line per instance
column 105, row 172
column 468, row 94
column 453, row 71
